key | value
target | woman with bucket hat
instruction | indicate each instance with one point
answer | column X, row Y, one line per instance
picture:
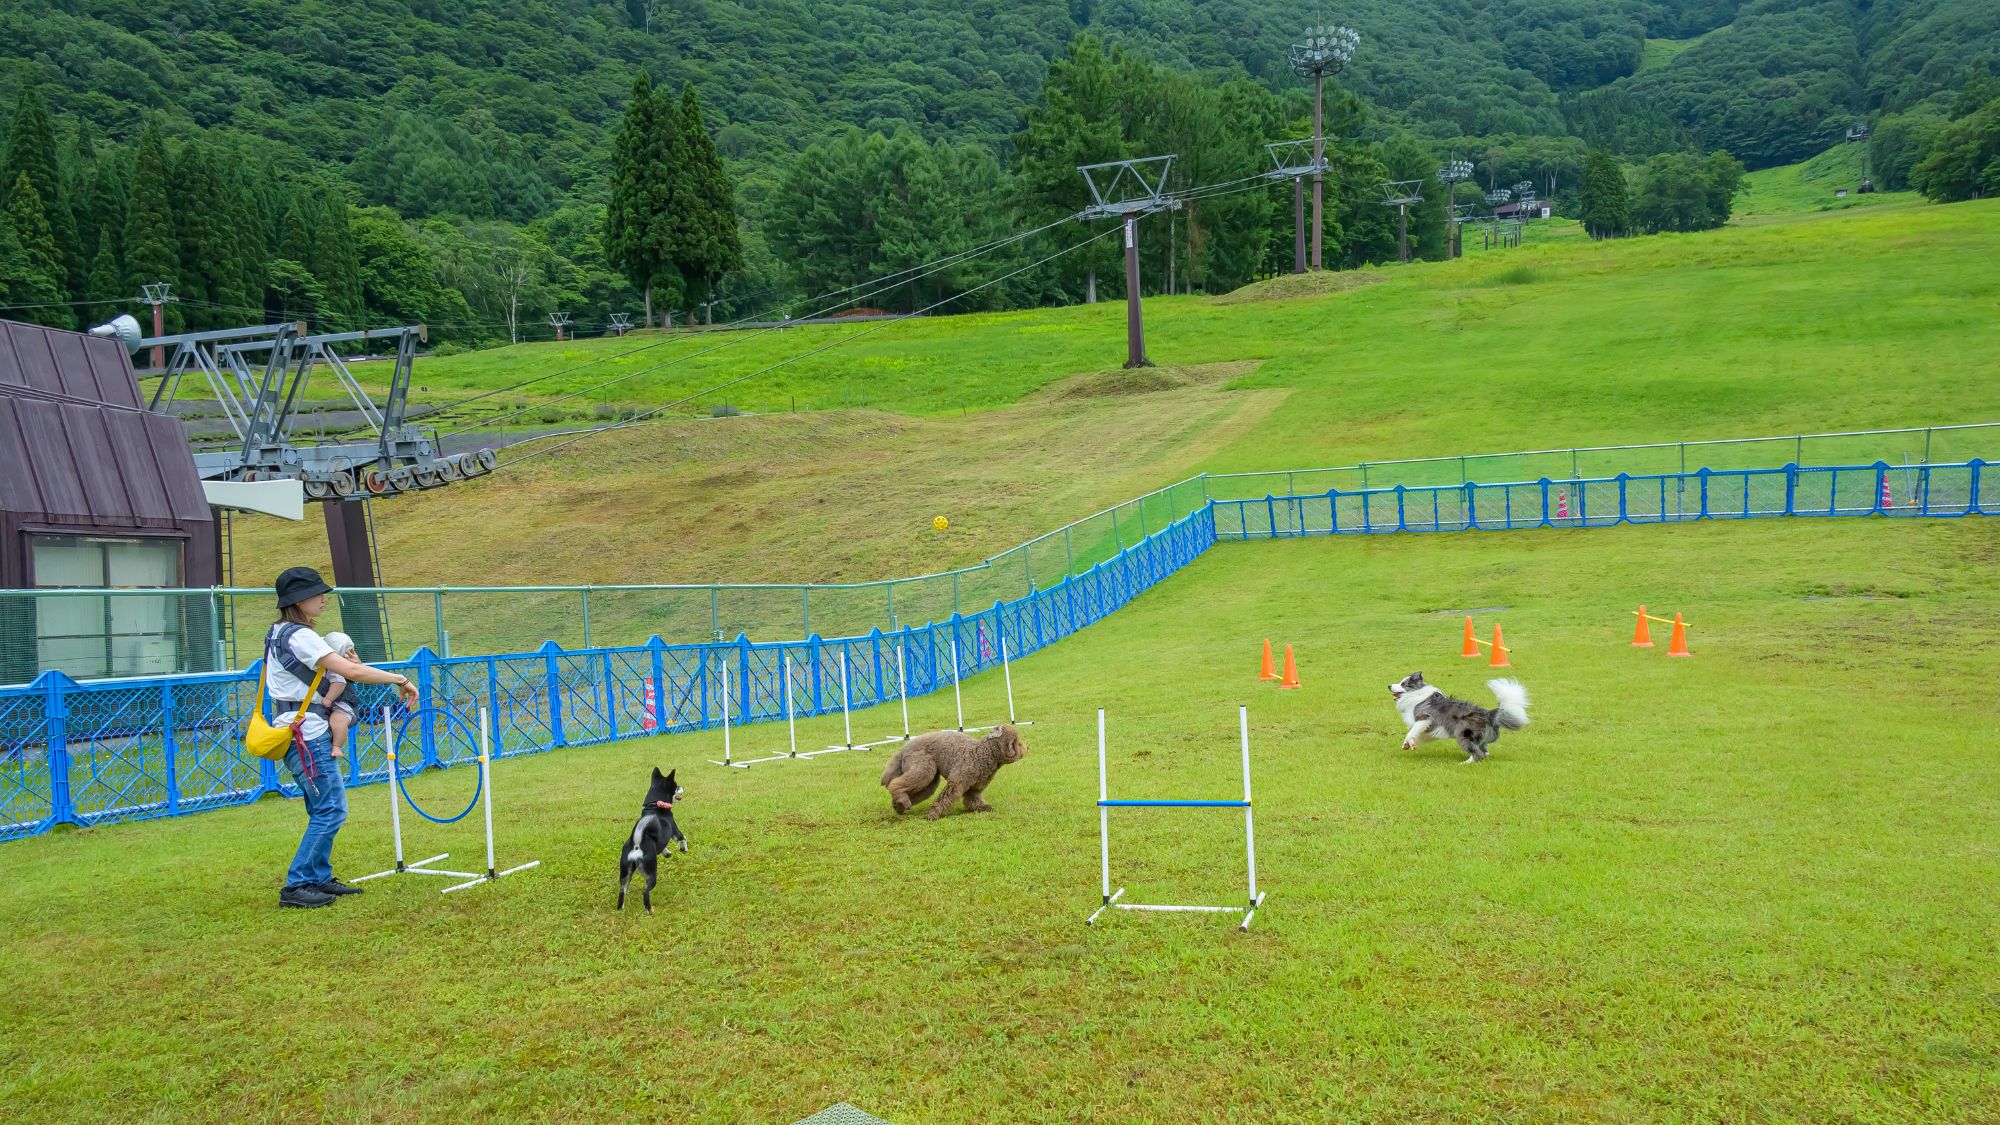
column 294, row 658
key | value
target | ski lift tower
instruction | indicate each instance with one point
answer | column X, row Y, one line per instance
column 1294, row 161
column 1127, row 190
column 1400, row 194
column 1858, row 133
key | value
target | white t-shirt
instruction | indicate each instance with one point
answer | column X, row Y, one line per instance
column 310, row 650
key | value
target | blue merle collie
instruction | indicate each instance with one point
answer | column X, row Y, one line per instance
column 1431, row 714
column 655, row 833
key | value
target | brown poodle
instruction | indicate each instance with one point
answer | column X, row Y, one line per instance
column 965, row 763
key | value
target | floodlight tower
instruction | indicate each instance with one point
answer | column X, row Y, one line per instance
column 1128, row 189
column 1400, row 194
column 1494, row 199
column 1451, row 174
column 1294, row 160
column 1326, row 50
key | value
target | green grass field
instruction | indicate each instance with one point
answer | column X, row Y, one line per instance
column 1751, row 885
column 1754, row 885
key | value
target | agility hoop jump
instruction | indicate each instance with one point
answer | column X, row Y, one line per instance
column 391, row 735
column 1105, row 804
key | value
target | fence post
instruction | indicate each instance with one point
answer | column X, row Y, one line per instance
column 1367, row 517
column 1069, row 555
column 814, row 647
column 215, row 629
column 552, row 683
column 1471, row 505
column 1544, row 483
column 656, row 648
column 610, row 695
column 890, row 586
column 1701, row 513
column 805, row 610
column 1624, row 512
column 1271, row 515
column 1400, row 525
column 745, row 688
column 1792, row 489
column 1116, row 538
column 62, row 810
column 954, row 591
column 1972, row 496
column 426, row 733
column 586, row 617
column 493, row 700
column 1924, row 485
column 1881, row 482
column 875, row 652
column 437, row 611
column 1332, row 511
column 168, row 751
column 701, row 674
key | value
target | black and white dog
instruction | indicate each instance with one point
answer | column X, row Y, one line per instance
column 655, row 833
column 1431, row 714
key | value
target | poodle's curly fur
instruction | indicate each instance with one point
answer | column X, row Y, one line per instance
column 965, row 763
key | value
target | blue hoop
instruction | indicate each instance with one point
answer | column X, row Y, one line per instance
column 396, row 768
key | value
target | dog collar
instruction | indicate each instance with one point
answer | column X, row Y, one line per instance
column 663, row 804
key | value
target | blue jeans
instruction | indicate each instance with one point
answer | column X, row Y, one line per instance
column 325, row 796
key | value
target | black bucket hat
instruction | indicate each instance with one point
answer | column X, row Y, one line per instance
column 298, row 584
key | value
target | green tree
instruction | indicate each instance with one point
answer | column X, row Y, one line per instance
column 337, row 265
column 107, row 207
column 31, row 152
column 39, row 263
column 636, row 242
column 151, row 253
column 1076, row 120
column 1606, row 207
column 712, row 244
column 1964, row 161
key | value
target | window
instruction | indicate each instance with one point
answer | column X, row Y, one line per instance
column 89, row 636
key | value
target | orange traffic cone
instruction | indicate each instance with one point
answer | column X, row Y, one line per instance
column 1679, row 645
column 1499, row 651
column 1291, row 679
column 1642, row 637
column 1269, row 672
column 1471, row 646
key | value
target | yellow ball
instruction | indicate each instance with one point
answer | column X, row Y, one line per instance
column 940, row 523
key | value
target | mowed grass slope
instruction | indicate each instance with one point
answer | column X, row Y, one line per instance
column 1851, row 320
column 1751, row 885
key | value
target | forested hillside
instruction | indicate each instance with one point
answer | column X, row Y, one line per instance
column 460, row 151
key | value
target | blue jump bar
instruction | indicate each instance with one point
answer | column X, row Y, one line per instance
column 1174, row 804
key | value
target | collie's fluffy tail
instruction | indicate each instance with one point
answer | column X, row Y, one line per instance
column 1513, row 699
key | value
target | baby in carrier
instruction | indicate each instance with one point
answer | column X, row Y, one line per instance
column 340, row 708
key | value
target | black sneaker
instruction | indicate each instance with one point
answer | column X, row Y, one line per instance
column 336, row 888
column 304, row 897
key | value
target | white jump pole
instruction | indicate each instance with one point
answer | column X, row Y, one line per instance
column 1103, row 824
column 1249, row 824
column 727, row 760
column 846, row 714
column 486, row 784
column 1007, row 670
column 957, row 699
column 903, row 689
column 395, row 806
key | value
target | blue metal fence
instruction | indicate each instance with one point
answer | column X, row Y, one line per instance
column 107, row 751
column 114, row 750
column 1850, row 490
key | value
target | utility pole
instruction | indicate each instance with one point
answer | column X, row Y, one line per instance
column 156, row 296
column 1326, row 50
column 559, row 321
column 1127, row 190
column 1400, row 194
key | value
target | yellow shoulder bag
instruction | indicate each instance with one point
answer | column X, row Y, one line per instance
column 264, row 740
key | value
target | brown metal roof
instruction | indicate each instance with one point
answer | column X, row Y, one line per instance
column 46, row 362
column 75, row 449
